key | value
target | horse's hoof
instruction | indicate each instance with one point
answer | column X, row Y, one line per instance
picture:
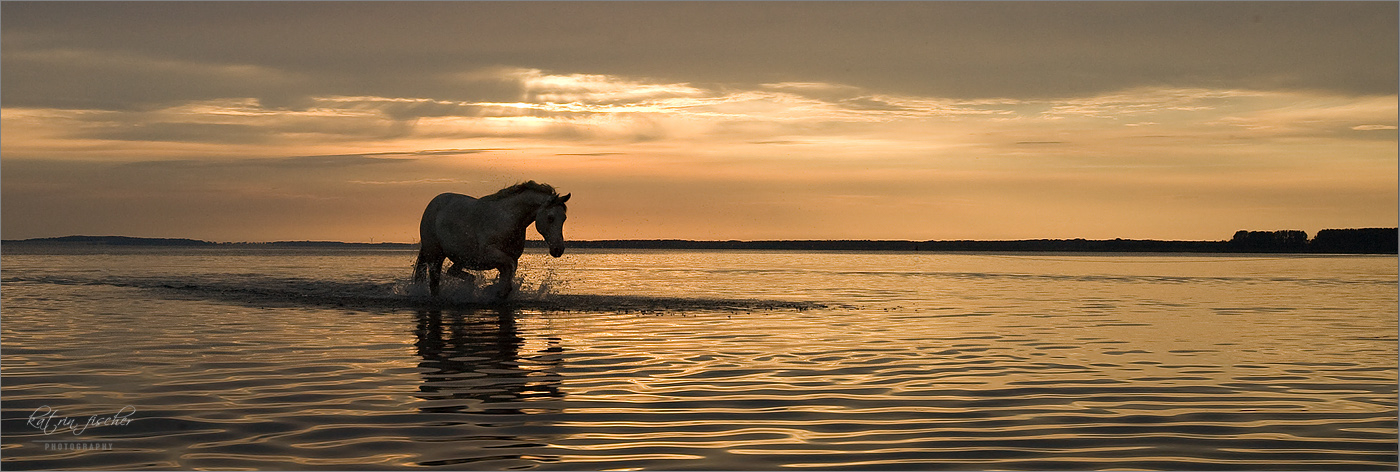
column 500, row 294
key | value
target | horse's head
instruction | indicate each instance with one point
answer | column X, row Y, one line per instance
column 549, row 221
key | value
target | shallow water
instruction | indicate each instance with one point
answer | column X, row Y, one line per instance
column 328, row 359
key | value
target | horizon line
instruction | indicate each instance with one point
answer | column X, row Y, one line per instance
column 79, row 237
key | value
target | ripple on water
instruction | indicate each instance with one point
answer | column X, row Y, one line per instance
column 969, row 368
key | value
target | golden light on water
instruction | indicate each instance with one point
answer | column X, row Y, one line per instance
column 713, row 359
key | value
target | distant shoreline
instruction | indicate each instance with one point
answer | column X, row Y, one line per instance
column 1330, row 241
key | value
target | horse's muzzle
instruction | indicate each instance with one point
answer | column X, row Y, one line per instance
column 556, row 251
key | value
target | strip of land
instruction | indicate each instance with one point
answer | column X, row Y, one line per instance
column 1328, row 241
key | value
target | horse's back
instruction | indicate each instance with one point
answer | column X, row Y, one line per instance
column 429, row 226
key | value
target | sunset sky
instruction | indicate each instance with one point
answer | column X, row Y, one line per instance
column 339, row 121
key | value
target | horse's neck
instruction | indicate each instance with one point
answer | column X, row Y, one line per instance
column 522, row 208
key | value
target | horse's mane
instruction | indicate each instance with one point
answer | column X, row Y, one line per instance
column 528, row 186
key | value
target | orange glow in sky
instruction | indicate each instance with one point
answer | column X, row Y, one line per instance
column 258, row 122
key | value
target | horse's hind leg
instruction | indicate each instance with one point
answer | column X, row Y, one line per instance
column 420, row 271
column 429, row 265
column 434, row 277
column 456, row 272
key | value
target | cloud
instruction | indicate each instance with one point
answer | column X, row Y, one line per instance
column 1279, row 115
column 307, row 120
column 602, row 108
column 92, row 77
column 211, row 133
column 597, row 89
column 1126, row 103
column 318, row 162
column 130, row 55
column 409, row 182
column 626, row 110
column 209, row 168
column 1373, row 127
column 416, row 154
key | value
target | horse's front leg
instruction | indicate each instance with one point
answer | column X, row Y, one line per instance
column 505, row 283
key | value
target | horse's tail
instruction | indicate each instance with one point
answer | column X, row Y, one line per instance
column 420, row 268
column 429, row 258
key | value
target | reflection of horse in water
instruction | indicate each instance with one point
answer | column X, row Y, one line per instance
column 476, row 356
column 487, row 233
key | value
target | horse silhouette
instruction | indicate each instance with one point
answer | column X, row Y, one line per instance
column 487, row 233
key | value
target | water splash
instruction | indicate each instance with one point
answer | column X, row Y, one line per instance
column 481, row 289
column 534, row 292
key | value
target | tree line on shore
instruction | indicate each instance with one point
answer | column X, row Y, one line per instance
column 1327, row 241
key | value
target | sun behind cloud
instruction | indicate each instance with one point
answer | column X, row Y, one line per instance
column 312, row 151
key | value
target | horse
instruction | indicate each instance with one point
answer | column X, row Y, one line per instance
column 487, row 233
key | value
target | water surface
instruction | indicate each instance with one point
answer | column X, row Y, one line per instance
column 328, row 359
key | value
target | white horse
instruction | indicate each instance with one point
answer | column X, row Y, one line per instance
column 487, row 233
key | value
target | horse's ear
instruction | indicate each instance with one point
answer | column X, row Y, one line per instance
column 564, row 198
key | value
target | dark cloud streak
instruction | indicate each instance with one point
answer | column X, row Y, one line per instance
column 283, row 53
column 180, row 132
column 308, row 162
